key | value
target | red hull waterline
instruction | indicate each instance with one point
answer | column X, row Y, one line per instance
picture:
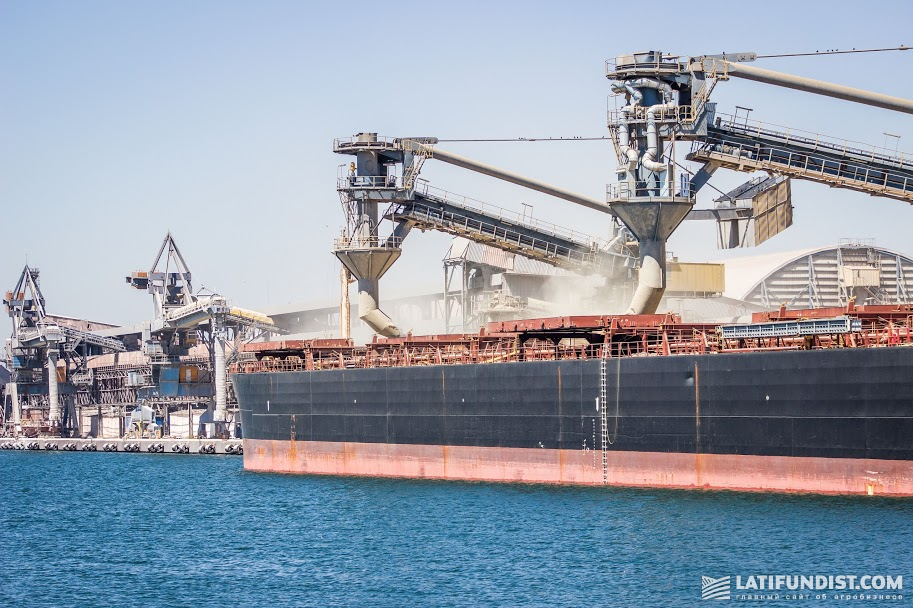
column 577, row 467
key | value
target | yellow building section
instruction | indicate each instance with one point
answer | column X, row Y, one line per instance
column 251, row 315
column 684, row 277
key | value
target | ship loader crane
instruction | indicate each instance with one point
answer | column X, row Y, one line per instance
column 666, row 101
column 37, row 342
column 181, row 317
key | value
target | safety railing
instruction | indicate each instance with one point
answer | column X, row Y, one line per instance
column 847, row 173
column 459, row 224
column 659, row 63
column 813, row 140
column 509, row 216
column 637, row 114
column 345, row 243
column 93, row 339
column 369, row 182
column 343, row 143
column 621, row 192
column 505, row 238
column 658, row 342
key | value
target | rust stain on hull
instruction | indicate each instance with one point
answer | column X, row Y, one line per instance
column 537, row 465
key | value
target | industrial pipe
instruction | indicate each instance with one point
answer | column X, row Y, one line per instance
column 624, row 143
column 818, row 87
column 13, row 391
column 53, row 399
column 652, row 153
column 631, row 86
column 625, row 87
column 652, row 83
column 651, row 279
column 221, row 388
column 370, row 313
column 514, row 178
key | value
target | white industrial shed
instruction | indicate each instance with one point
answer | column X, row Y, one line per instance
column 823, row 276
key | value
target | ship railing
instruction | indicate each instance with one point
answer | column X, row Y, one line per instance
column 668, row 342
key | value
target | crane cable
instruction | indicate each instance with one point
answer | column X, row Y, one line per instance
column 816, row 53
column 835, row 52
column 513, row 139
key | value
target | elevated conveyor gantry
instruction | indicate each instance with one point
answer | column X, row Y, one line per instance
column 666, row 100
column 372, row 181
column 743, row 145
column 434, row 209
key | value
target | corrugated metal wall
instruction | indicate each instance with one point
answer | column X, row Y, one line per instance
column 816, row 279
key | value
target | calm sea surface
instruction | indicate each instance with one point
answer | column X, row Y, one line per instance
column 103, row 529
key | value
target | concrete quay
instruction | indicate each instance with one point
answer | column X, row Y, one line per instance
column 230, row 447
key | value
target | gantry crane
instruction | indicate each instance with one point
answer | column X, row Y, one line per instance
column 37, row 343
column 181, row 318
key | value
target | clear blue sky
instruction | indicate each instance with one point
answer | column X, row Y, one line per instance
column 215, row 119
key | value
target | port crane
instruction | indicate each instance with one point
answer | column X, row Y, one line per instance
column 181, row 319
column 37, row 343
column 666, row 100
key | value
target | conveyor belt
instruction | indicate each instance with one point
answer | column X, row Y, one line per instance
column 746, row 146
column 491, row 226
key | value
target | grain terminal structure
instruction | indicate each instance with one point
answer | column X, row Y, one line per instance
column 802, row 399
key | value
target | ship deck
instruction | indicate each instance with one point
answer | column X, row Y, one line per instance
column 594, row 337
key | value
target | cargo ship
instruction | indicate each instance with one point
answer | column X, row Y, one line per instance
column 816, row 400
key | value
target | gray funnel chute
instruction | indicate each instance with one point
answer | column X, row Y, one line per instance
column 651, row 222
column 368, row 262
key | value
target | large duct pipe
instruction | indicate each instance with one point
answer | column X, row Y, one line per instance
column 626, row 87
column 370, row 313
column 624, row 144
column 53, row 399
column 220, row 372
column 652, row 153
column 818, row 87
column 651, row 279
column 651, row 83
column 514, row 178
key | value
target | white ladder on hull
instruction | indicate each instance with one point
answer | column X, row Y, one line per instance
column 604, row 406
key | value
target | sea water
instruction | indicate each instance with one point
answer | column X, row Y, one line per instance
column 98, row 529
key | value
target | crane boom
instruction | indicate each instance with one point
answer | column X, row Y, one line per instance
column 514, row 178
column 810, row 85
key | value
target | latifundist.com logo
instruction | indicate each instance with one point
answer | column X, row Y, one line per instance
column 767, row 587
column 714, row 588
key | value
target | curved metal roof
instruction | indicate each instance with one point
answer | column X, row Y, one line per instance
column 821, row 276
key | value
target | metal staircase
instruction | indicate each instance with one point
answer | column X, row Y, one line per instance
column 742, row 145
column 433, row 209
